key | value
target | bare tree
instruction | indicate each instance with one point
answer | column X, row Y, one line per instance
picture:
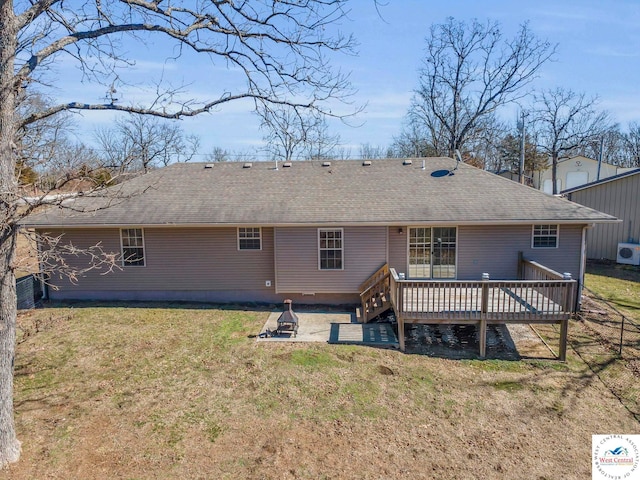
column 287, row 131
column 468, row 72
column 218, row 154
column 368, row 151
column 141, row 142
column 320, row 143
column 278, row 48
column 566, row 122
column 631, row 142
column 413, row 140
column 291, row 134
column 610, row 143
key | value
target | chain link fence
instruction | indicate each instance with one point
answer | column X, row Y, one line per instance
column 608, row 341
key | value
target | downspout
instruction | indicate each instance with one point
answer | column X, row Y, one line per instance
column 275, row 260
column 44, row 285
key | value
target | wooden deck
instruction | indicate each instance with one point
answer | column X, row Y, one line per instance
column 541, row 296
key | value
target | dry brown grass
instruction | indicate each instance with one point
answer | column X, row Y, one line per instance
column 185, row 392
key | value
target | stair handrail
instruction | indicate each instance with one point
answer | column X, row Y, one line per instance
column 371, row 287
column 373, row 279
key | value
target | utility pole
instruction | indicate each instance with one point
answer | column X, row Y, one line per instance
column 600, row 155
column 522, row 147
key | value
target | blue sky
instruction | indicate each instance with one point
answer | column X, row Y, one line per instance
column 598, row 48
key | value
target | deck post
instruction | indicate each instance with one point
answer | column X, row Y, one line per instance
column 562, row 349
column 564, row 324
column 401, row 333
column 484, row 308
column 400, row 311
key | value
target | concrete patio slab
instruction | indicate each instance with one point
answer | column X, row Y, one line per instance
column 313, row 326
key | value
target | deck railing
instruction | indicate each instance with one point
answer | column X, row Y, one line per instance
column 530, row 270
column 527, row 301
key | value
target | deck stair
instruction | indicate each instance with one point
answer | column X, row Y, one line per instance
column 375, row 295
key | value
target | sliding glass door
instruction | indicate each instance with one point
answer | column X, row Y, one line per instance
column 432, row 252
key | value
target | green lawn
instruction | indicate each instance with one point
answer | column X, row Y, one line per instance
column 618, row 284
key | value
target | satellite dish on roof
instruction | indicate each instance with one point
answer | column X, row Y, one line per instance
column 448, row 173
column 440, row 173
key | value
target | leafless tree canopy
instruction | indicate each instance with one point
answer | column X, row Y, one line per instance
column 141, row 142
column 468, row 72
column 279, row 46
column 631, row 145
column 565, row 122
column 291, row 134
column 286, row 131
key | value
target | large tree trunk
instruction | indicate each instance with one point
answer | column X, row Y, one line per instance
column 554, row 173
column 9, row 444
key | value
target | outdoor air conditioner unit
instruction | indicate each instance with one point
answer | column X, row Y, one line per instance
column 629, row 253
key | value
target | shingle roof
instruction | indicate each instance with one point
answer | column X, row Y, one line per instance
column 344, row 193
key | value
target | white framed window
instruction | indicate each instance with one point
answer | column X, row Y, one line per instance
column 249, row 238
column 132, row 245
column 330, row 248
column 545, row 236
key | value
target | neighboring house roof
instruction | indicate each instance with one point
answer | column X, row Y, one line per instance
column 386, row 192
column 601, row 181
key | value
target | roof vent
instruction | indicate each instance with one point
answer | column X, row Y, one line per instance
column 209, row 165
column 286, row 164
column 407, row 162
column 326, row 164
column 247, row 165
column 366, row 163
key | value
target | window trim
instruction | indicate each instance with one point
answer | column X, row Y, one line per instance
column 341, row 230
column 238, row 238
column 556, row 235
column 123, row 262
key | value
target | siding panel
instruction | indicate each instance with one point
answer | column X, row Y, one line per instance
column 365, row 250
column 200, row 259
column 494, row 249
column 398, row 257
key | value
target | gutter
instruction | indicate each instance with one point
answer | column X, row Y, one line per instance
column 333, row 223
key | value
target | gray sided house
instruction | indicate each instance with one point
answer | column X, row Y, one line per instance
column 620, row 196
column 311, row 231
